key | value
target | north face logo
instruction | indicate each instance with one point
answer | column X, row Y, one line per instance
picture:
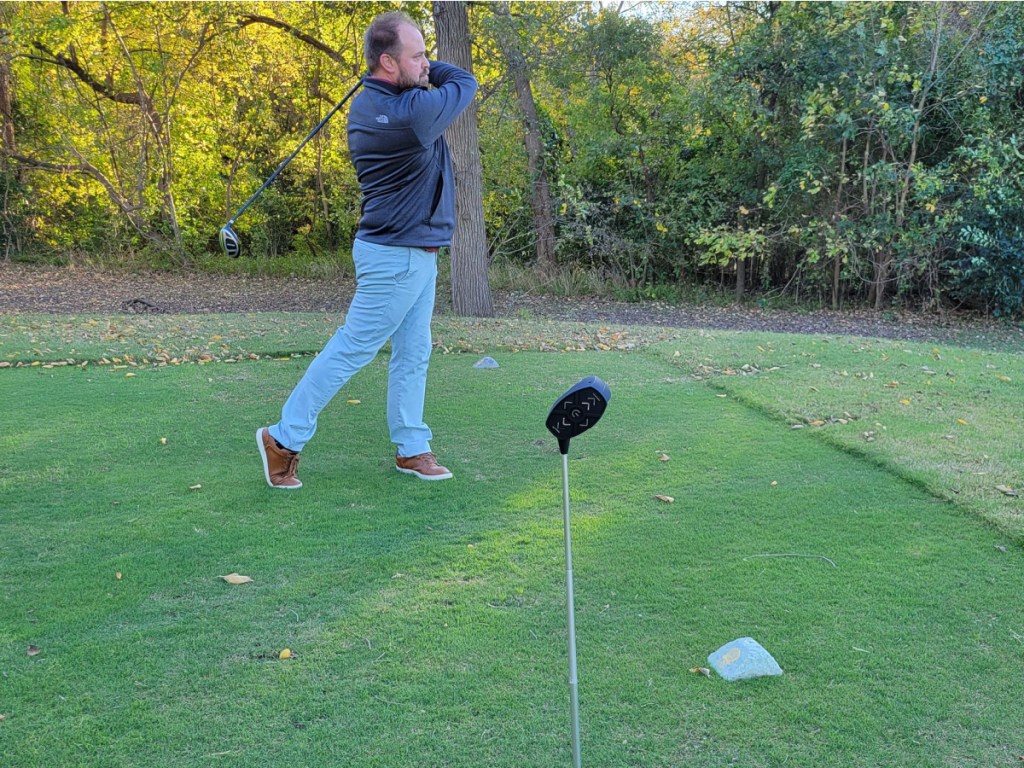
column 383, row 119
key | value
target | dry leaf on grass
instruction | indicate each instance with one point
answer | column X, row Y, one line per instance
column 1007, row 490
column 34, row 650
column 663, row 457
column 701, row 671
column 285, row 654
column 236, row 578
column 666, row 499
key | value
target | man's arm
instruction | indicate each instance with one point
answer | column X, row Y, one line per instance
column 434, row 110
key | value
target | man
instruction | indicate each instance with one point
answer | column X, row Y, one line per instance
column 395, row 129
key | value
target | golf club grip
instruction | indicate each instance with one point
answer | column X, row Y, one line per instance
column 290, row 157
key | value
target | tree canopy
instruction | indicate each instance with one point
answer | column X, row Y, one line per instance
column 864, row 152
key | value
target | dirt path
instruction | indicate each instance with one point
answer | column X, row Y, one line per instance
column 75, row 290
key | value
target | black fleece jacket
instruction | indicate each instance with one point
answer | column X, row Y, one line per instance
column 395, row 139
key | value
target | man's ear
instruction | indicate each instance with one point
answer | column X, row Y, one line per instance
column 388, row 63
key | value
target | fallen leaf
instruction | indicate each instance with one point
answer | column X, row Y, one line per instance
column 118, row 575
column 34, row 650
column 701, row 671
column 353, row 402
column 663, row 457
column 666, row 499
column 163, row 441
column 1004, row 378
column 195, row 487
column 774, row 483
column 2, row 718
column 236, row 578
column 1007, row 490
column 817, row 423
column 904, row 401
column 1001, row 548
column 961, row 422
column 285, row 654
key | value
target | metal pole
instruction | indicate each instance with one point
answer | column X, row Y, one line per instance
column 574, row 700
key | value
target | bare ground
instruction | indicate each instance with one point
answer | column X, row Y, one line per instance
column 71, row 290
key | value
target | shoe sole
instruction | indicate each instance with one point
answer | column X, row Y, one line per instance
column 422, row 476
column 266, row 467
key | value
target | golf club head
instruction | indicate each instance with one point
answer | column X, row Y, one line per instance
column 229, row 242
column 578, row 410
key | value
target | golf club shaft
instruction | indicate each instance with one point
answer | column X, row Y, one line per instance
column 288, row 159
column 574, row 701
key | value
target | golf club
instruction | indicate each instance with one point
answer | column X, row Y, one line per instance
column 229, row 241
column 573, row 414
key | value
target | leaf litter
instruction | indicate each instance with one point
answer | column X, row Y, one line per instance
column 236, row 578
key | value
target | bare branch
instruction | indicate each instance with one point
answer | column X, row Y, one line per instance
column 72, row 65
column 270, row 21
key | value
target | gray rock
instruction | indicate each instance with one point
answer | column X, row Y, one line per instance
column 743, row 659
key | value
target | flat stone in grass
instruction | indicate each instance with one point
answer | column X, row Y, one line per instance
column 743, row 659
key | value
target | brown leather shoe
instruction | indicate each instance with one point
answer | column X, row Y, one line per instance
column 280, row 466
column 423, row 465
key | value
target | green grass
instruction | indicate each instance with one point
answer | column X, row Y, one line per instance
column 427, row 619
column 945, row 418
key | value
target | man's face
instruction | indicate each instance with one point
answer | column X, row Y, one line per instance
column 411, row 62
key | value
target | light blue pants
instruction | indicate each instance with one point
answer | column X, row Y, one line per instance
column 394, row 300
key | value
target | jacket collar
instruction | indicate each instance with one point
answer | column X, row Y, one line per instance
column 384, row 85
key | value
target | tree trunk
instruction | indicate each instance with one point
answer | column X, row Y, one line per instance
column 7, row 146
column 837, row 260
column 883, row 264
column 540, row 185
column 471, row 293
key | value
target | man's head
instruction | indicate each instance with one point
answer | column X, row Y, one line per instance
column 395, row 51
